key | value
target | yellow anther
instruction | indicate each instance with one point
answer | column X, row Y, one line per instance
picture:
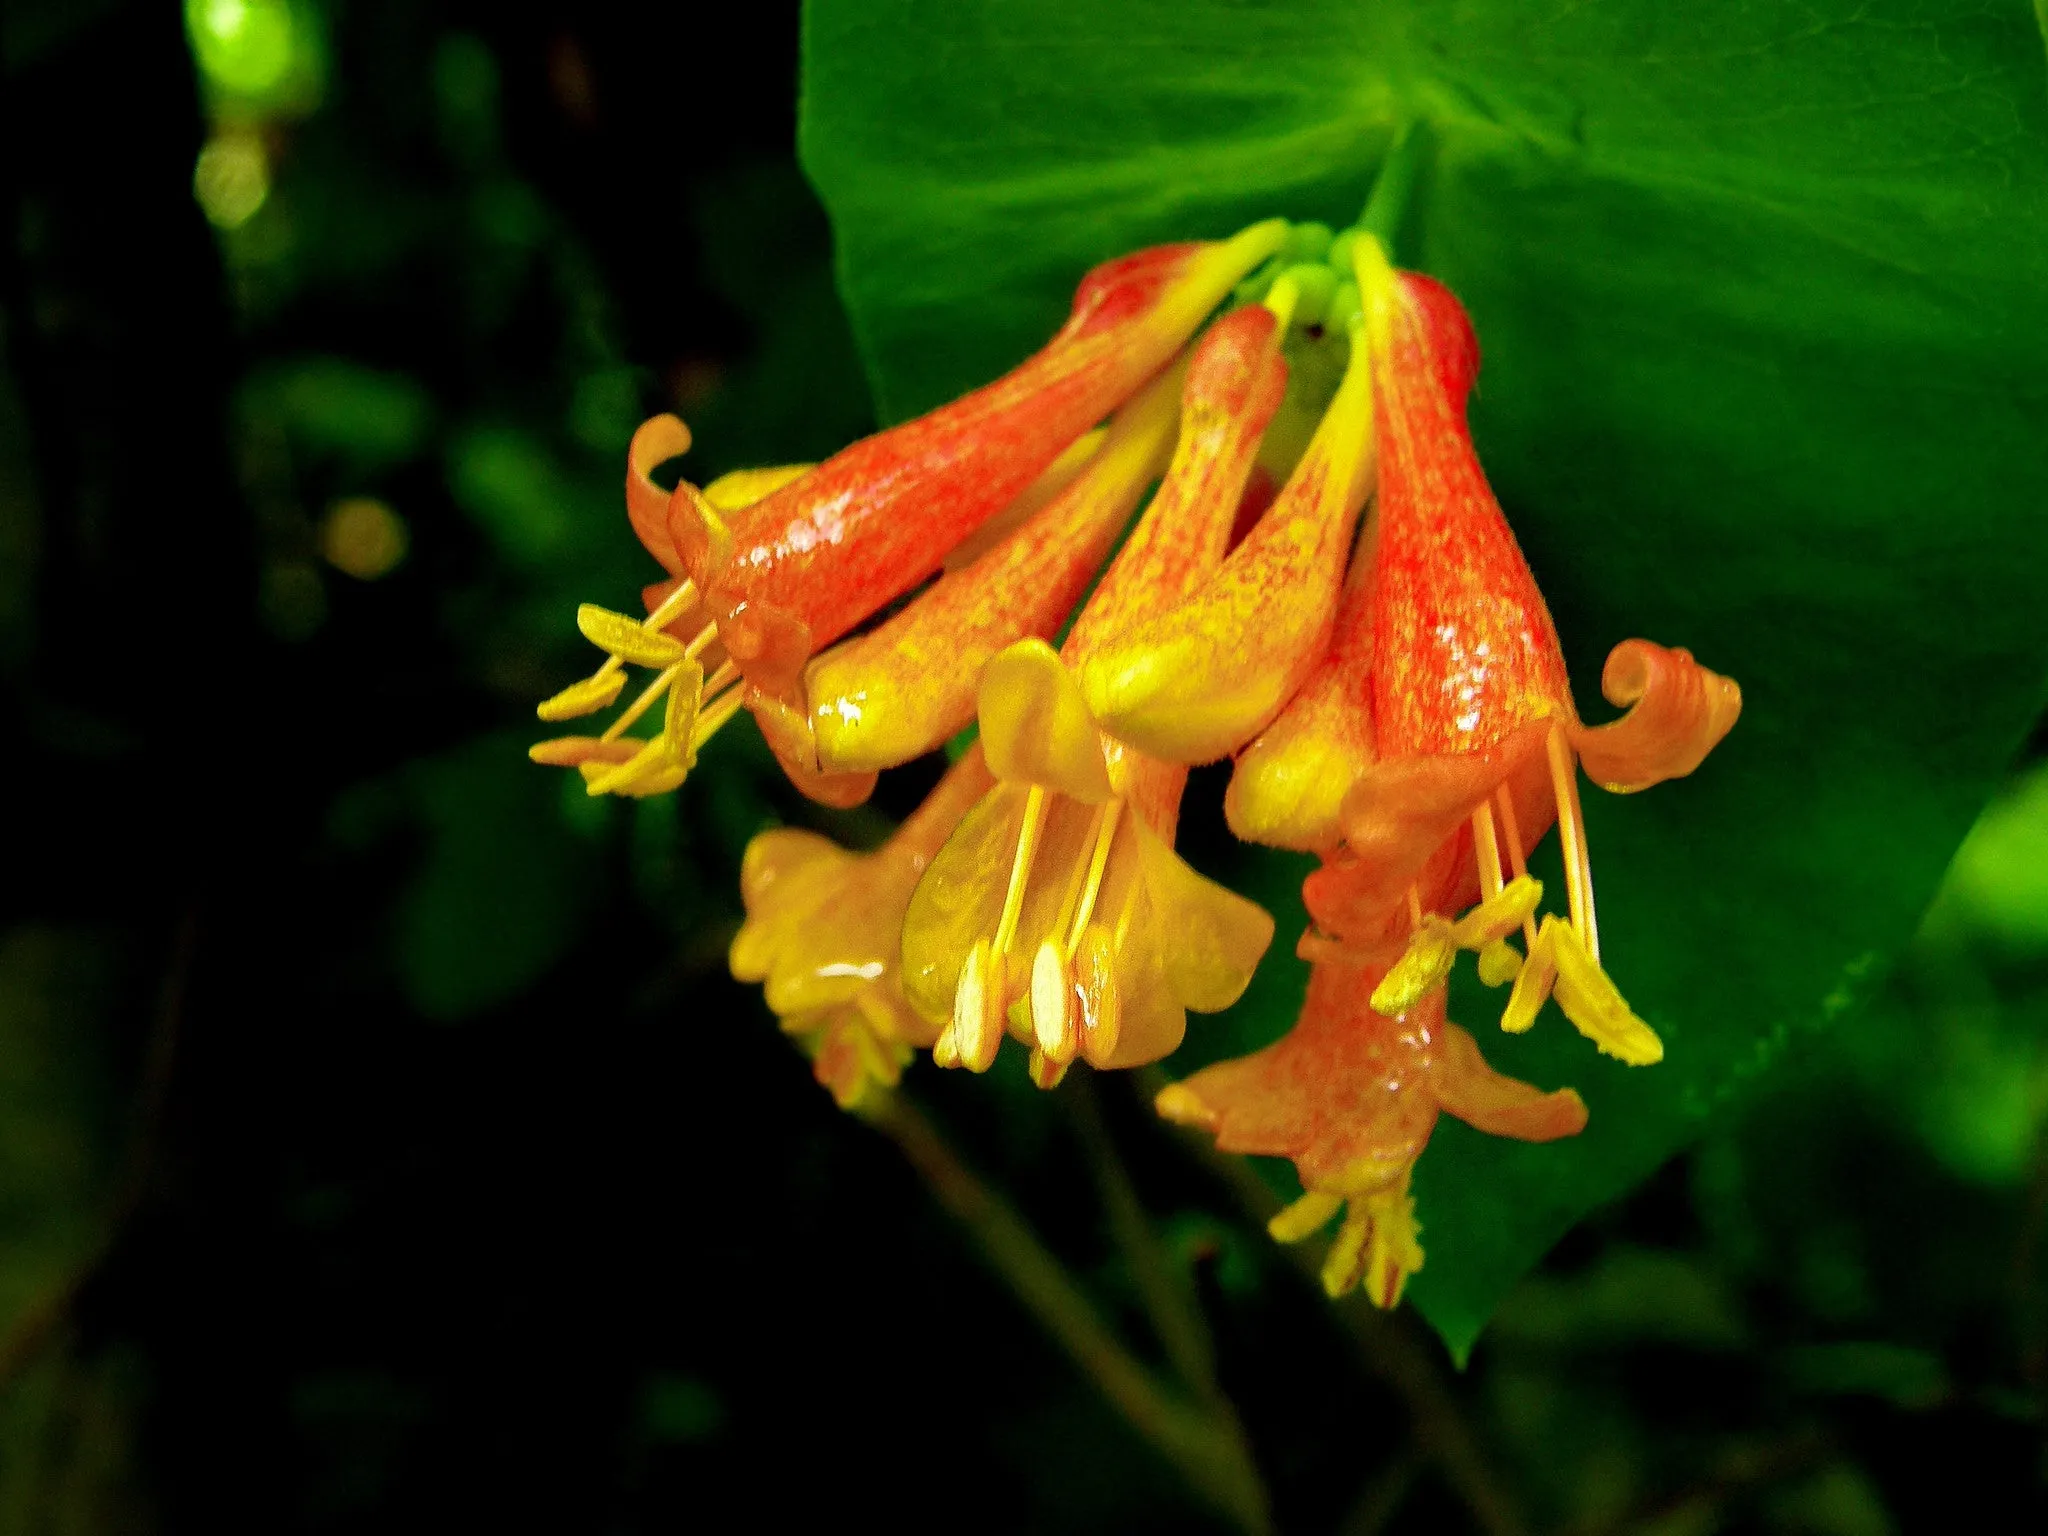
column 1500, row 914
column 1595, row 1005
column 1532, row 983
column 1308, row 1215
column 1421, row 968
column 681, row 716
column 1053, row 1021
column 628, row 639
column 1345, row 1262
column 1499, row 963
column 1102, row 1007
column 1045, row 1072
column 597, row 692
column 978, row 1007
column 1396, row 1249
column 944, row 1052
column 580, row 751
column 652, row 756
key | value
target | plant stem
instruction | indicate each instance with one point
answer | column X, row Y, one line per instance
column 1386, row 1342
column 1169, row 1300
column 1386, row 210
column 1206, row 1451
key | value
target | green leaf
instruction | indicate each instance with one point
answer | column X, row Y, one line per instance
column 1761, row 290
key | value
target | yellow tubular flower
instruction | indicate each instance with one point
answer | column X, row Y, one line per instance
column 822, row 935
column 1059, row 911
column 905, row 687
column 1198, row 680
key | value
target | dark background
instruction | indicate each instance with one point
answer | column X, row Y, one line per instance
column 382, row 1144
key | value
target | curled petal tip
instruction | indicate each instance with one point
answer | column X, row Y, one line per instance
column 1678, row 711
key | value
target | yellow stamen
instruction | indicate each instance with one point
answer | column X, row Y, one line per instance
column 1396, row 1252
column 649, row 758
column 1052, row 1011
column 1422, row 967
column 684, row 697
column 1533, row 983
column 1345, row 1262
column 711, row 718
column 944, row 1052
column 672, row 608
column 1596, row 1007
column 1101, row 1003
column 663, row 680
column 1308, row 1215
column 1499, row 963
column 573, row 751
column 627, row 639
column 1571, row 833
column 1098, row 861
column 1500, row 914
column 1486, row 848
column 1414, row 907
column 977, row 1008
column 1510, row 825
column 1045, row 1072
column 598, row 691
column 1020, row 870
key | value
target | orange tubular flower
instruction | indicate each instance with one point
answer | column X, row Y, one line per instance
column 1351, row 1095
column 905, row 687
column 768, row 583
column 1472, row 720
column 1069, row 860
column 1193, row 682
column 1288, row 786
column 823, row 933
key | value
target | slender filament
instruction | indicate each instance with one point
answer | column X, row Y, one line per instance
column 1516, row 858
column 1486, row 848
column 1105, row 835
column 1571, row 832
column 1020, row 871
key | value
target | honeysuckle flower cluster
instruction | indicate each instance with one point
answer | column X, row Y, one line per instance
column 1319, row 586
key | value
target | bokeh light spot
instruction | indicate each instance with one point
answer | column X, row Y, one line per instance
column 245, row 46
column 362, row 537
column 232, row 178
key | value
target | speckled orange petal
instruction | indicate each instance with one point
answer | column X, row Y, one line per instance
column 1463, row 648
column 1235, row 383
column 1208, row 674
column 1288, row 787
column 1678, row 711
column 1486, row 1100
column 876, row 519
column 1344, row 1093
column 905, row 687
